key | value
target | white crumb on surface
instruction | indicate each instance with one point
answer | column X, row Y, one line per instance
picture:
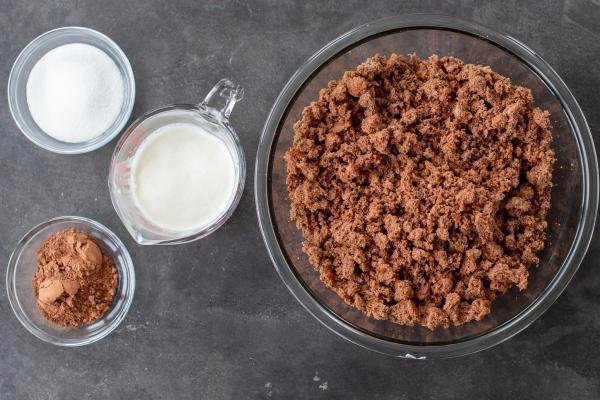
column 269, row 387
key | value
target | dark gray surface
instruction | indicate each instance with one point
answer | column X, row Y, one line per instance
column 212, row 319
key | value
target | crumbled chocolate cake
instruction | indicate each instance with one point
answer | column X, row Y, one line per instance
column 422, row 187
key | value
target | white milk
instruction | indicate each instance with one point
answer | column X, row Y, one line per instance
column 183, row 178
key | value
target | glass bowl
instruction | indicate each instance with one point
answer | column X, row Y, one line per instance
column 574, row 197
column 22, row 267
column 29, row 56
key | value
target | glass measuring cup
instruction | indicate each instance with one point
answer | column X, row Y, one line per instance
column 212, row 116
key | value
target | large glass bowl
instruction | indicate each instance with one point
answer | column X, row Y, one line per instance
column 574, row 197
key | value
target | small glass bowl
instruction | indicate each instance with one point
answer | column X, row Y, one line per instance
column 29, row 56
column 22, row 267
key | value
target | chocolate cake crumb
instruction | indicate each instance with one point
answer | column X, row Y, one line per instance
column 422, row 187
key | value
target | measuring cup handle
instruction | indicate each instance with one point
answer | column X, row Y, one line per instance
column 223, row 96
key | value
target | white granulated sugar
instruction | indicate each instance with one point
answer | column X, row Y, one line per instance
column 75, row 92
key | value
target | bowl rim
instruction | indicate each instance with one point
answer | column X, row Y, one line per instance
column 128, row 82
column 128, row 287
column 589, row 166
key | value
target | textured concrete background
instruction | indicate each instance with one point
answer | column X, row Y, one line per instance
column 212, row 319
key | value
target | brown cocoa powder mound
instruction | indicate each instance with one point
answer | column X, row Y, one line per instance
column 422, row 187
column 74, row 283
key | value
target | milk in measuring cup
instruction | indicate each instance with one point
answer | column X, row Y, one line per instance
column 183, row 177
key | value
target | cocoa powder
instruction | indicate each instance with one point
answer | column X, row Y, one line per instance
column 422, row 187
column 75, row 283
